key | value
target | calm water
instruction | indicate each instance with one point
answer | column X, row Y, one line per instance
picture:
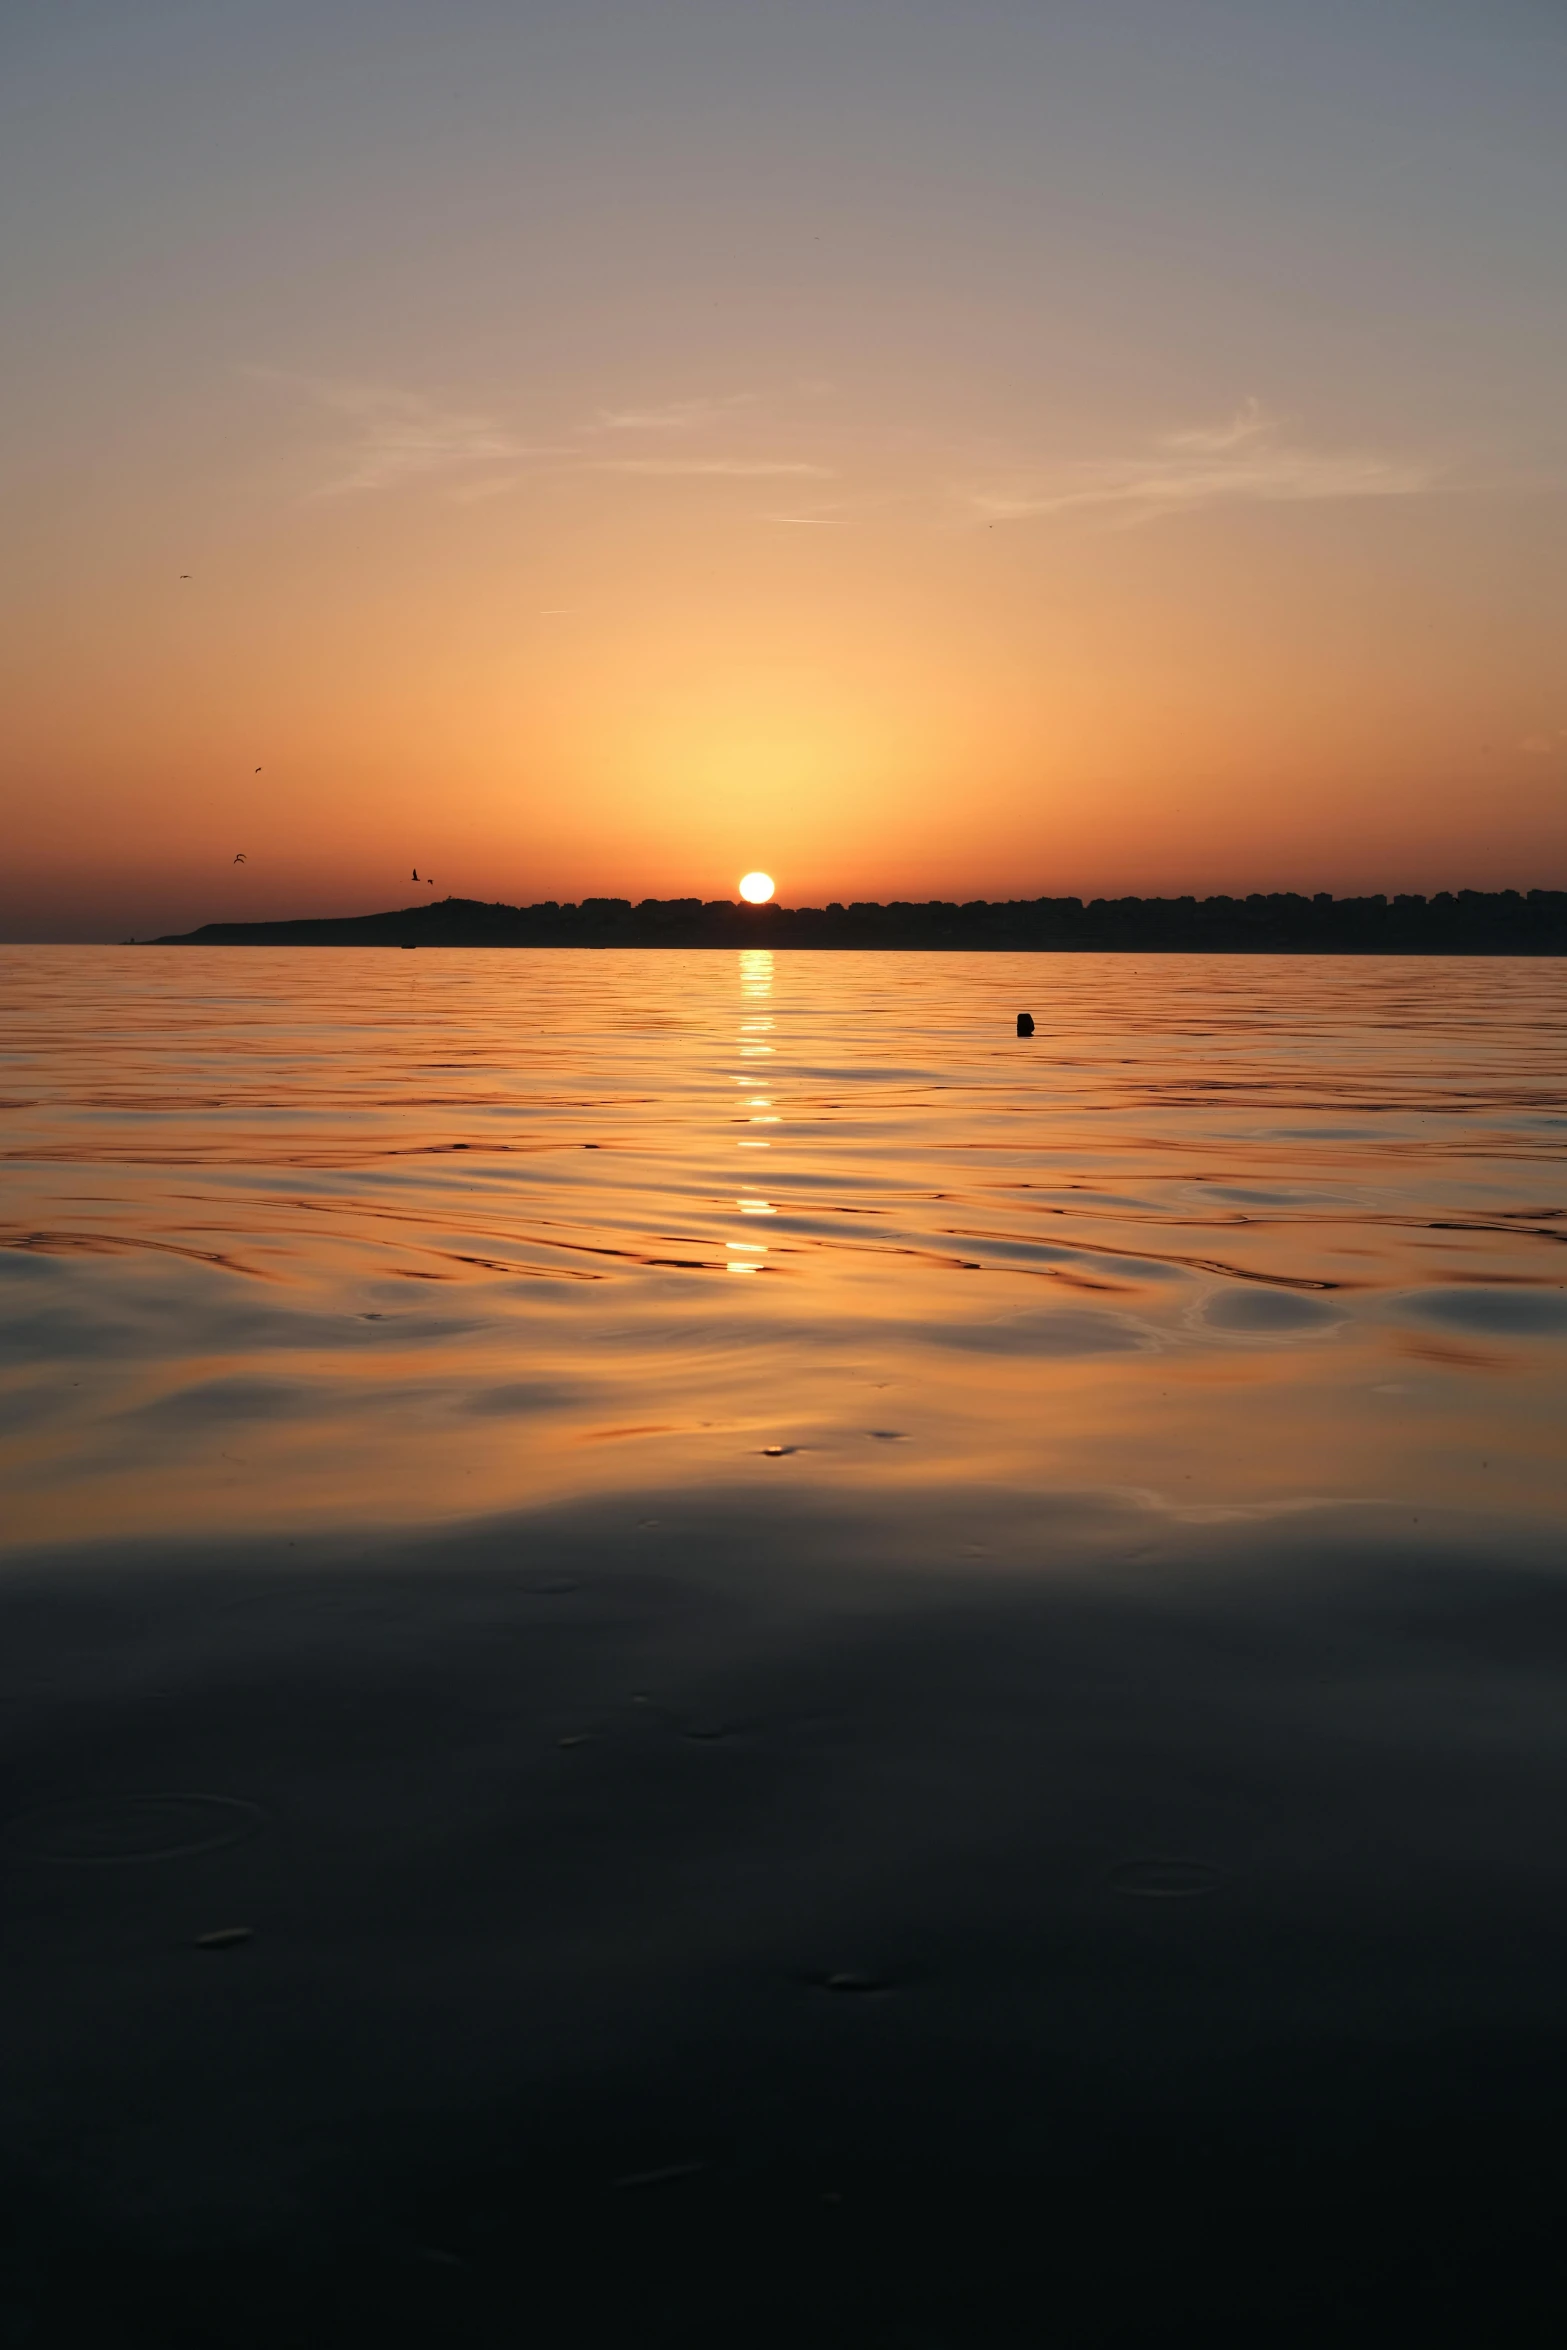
column 294, row 1237
column 696, row 1652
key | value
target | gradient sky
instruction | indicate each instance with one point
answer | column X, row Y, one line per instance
column 922, row 451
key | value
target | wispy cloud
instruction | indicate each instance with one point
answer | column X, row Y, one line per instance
column 402, row 437
column 1250, row 424
column 697, row 416
column 1550, row 743
column 671, row 415
column 388, row 437
column 1249, row 458
column 715, row 468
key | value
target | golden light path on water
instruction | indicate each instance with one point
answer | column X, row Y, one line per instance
column 300, row 1238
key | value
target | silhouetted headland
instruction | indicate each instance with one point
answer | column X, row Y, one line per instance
column 1465, row 922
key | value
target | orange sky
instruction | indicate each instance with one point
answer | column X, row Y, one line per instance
column 1096, row 460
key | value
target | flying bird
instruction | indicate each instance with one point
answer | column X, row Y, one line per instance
column 184, row 575
column 241, row 858
column 258, row 770
column 416, row 873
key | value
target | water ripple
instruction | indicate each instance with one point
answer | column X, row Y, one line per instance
column 449, row 1235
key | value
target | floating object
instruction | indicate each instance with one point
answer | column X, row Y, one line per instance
column 1025, row 1023
column 854, row 1983
column 778, row 1452
column 225, row 1937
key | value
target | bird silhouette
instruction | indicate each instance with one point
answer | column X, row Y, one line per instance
column 184, row 575
column 258, row 770
column 241, row 859
column 416, row 873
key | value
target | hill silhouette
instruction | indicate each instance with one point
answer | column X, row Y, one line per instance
column 1466, row 922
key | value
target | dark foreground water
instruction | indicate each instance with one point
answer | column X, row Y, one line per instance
column 828, row 1678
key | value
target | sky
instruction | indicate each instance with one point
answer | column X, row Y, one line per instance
column 599, row 448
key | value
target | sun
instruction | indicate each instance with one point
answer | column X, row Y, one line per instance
column 756, row 888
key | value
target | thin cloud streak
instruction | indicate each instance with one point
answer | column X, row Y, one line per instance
column 671, row 415
column 397, row 436
column 1248, row 459
column 402, row 439
column 714, row 468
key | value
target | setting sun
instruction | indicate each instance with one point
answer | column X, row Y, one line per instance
column 756, row 888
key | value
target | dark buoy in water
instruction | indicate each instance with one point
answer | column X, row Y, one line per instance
column 1025, row 1023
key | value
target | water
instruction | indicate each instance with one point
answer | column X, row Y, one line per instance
column 696, row 1650
column 293, row 1237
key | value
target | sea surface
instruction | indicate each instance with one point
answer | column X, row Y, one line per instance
column 827, row 1675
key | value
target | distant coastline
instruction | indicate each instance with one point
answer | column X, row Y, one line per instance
column 1465, row 922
